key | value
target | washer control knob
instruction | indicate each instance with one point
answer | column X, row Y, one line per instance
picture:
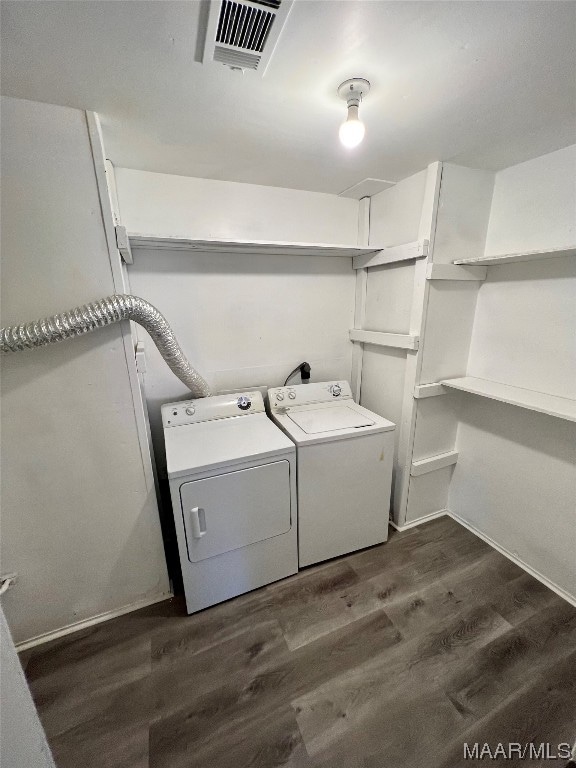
column 279, row 396
column 336, row 390
column 190, row 411
column 244, row 403
column 292, row 395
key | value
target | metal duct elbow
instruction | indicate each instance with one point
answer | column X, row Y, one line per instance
column 110, row 310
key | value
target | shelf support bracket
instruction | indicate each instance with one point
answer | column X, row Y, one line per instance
column 123, row 244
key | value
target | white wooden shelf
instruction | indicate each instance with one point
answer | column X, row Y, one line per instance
column 452, row 272
column 560, row 407
column 506, row 258
column 406, row 252
column 381, row 339
column 422, row 391
column 423, row 466
column 263, row 247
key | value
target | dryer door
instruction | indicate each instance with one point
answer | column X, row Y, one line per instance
column 235, row 509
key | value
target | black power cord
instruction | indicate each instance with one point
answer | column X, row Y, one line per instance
column 304, row 369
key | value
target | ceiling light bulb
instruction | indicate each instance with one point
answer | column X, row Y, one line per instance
column 352, row 130
column 352, row 92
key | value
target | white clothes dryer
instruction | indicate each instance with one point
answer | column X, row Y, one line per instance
column 344, row 457
column 232, row 477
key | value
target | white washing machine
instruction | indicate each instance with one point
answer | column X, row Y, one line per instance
column 344, row 455
column 232, row 476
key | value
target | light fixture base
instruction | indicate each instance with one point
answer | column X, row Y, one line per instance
column 354, row 90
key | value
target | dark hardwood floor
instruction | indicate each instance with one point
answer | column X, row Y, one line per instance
column 389, row 658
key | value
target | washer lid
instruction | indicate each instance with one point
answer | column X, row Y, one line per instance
column 330, row 419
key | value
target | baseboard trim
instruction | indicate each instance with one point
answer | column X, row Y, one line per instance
column 420, row 521
column 536, row 574
column 55, row 634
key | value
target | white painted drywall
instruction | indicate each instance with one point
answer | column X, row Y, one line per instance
column 436, row 426
column 463, row 213
column 515, row 480
column 22, row 740
column 534, row 205
column 182, row 206
column 525, row 326
column 383, row 374
column 245, row 320
column 389, row 292
column 449, row 322
column 427, row 494
column 78, row 523
column 395, row 212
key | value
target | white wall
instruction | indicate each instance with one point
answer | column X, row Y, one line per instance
column 22, row 740
column 534, row 205
column 383, row 376
column 79, row 525
column 463, row 213
column 395, row 212
column 525, row 326
column 515, row 480
column 181, row 206
column 243, row 320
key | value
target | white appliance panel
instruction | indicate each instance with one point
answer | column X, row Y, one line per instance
column 222, row 443
column 184, row 412
column 305, row 394
column 235, row 509
column 343, row 495
column 329, row 419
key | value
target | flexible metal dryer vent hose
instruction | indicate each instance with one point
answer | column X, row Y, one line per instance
column 110, row 310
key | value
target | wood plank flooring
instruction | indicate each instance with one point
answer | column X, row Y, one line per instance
column 388, row 658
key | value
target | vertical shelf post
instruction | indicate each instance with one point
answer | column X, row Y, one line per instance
column 360, row 297
column 407, row 427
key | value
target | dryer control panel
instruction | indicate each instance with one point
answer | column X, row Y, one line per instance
column 282, row 398
column 210, row 408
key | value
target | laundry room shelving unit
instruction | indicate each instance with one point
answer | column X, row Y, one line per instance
column 380, row 339
column 262, row 247
column 391, row 298
column 414, row 318
column 560, row 407
column 460, row 273
column 530, row 399
column 508, row 258
column 452, row 272
column 396, row 253
column 516, row 397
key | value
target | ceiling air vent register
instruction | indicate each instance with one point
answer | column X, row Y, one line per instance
column 242, row 34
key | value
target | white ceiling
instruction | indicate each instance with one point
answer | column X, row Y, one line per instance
column 487, row 84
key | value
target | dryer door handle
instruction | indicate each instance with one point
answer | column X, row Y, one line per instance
column 197, row 518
